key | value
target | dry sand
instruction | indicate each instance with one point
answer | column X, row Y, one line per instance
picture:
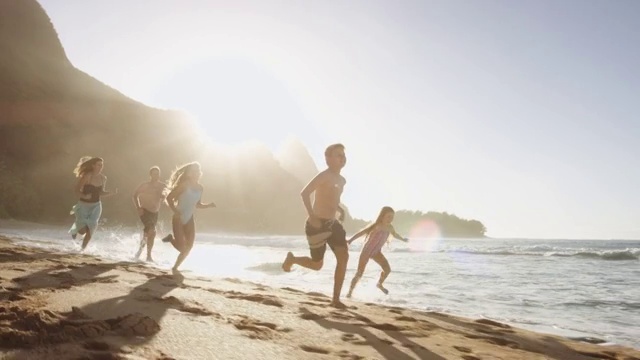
column 72, row 306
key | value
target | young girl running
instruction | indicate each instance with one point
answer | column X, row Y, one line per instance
column 89, row 189
column 183, row 199
column 377, row 234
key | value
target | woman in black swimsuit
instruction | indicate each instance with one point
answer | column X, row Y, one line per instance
column 89, row 189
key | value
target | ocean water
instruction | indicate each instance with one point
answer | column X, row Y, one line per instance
column 574, row 288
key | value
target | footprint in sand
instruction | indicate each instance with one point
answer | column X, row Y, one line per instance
column 214, row 291
column 62, row 275
column 386, row 327
column 354, row 339
column 164, row 356
column 494, row 332
column 109, row 279
column 406, row 318
column 101, row 356
column 12, row 296
column 314, row 349
column 166, row 280
column 261, row 299
column 344, row 354
column 233, row 280
column 416, row 348
column 96, row 345
column 606, row 355
column 318, row 295
column 308, row 315
column 364, row 319
column 257, row 329
column 336, row 314
column 180, row 305
column 27, row 326
column 462, row 349
column 134, row 325
column 492, row 323
column 470, row 357
column 323, row 301
column 495, row 340
column 312, row 303
column 340, row 315
column 292, row 290
column 426, row 325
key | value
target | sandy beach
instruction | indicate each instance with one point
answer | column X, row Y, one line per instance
column 72, row 306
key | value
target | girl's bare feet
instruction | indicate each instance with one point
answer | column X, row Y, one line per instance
column 288, row 262
column 383, row 289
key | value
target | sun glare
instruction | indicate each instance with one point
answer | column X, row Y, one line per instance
column 235, row 101
column 424, row 236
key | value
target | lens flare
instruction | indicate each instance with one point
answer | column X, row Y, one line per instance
column 424, row 236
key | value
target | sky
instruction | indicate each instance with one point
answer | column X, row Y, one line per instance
column 521, row 114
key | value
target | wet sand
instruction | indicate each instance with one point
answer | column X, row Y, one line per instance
column 71, row 306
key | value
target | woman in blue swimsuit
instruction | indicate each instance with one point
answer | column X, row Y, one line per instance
column 183, row 199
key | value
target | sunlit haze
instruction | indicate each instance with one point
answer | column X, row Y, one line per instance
column 521, row 114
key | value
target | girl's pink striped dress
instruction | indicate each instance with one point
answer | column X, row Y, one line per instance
column 375, row 242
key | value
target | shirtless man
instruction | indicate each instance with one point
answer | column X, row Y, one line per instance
column 321, row 227
column 147, row 198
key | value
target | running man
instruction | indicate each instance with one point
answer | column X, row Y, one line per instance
column 147, row 199
column 322, row 228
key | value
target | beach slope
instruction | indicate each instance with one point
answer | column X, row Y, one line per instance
column 71, row 306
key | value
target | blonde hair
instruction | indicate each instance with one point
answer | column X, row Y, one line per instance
column 384, row 211
column 85, row 165
column 179, row 174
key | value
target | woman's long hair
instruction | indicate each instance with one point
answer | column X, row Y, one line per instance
column 179, row 175
column 85, row 165
column 384, row 211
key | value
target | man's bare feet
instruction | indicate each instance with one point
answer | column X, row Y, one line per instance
column 349, row 293
column 383, row 289
column 288, row 262
column 338, row 304
column 150, row 259
column 177, row 275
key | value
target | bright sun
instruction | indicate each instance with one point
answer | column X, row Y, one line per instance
column 235, row 100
